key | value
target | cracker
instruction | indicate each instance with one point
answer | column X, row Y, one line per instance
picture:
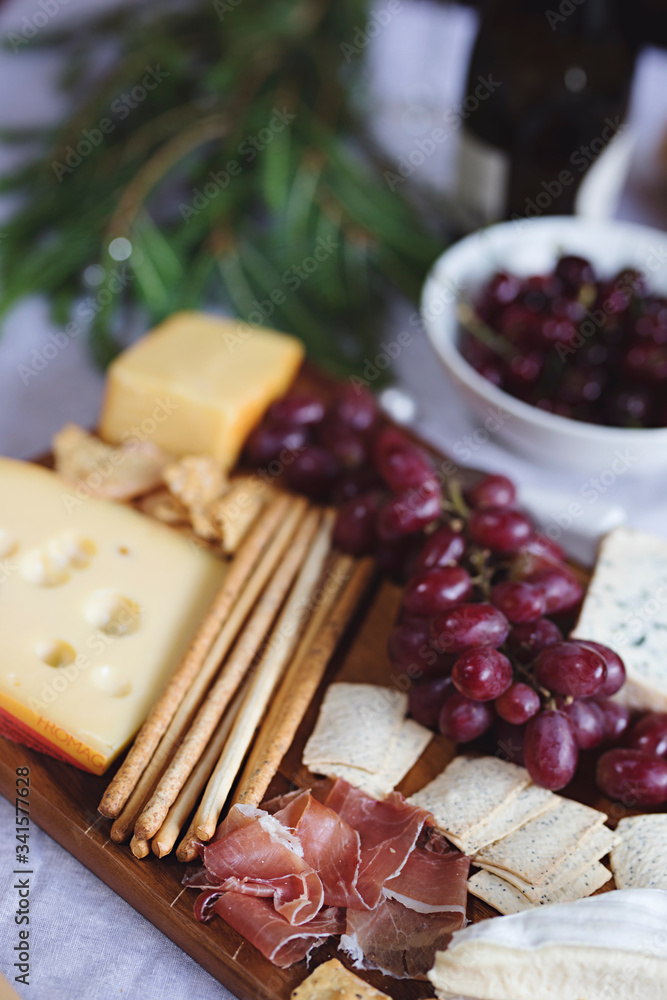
column 123, row 473
column 468, row 791
column 409, row 743
column 528, row 804
column 506, row 898
column 372, row 784
column 196, row 480
column 536, row 849
column 594, row 846
column 332, row 981
column 356, row 726
column 639, row 861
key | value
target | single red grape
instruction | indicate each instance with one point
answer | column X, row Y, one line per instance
column 588, row 722
column 650, row 734
column 550, row 750
column 527, row 639
column 518, row 601
column 616, row 719
column 408, row 513
column 493, row 491
column 500, row 529
column 427, row 698
column 435, row 590
column 518, row 704
column 407, row 469
column 539, row 552
column 509, row 742
column 352, row 483
column 615, row 678
column 632, row 777
column 443, row 548
column 355, row 407
column 268, row 441
column 559, row 587
column 396, row 556
column 354, row 531
column 296, row 410
column 462, row 719
column 347, row 446
column 574, row 272
column 411, row 652
column 482, row 674
column 468, row 626
column 571, row 669
column 313, row 472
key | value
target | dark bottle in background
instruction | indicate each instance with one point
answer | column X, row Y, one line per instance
column 557, row 75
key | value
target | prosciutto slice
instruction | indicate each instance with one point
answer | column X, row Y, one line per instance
column 278, row 940
column 433, row 879
column 397, row 941
column 388, row 831
column 257, row 856
column 329, row 845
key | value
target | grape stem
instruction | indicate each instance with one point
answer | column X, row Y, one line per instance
column 473, row 325
column 456, row 497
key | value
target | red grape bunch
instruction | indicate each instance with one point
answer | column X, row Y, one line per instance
column 474, row 632
column 572, row 343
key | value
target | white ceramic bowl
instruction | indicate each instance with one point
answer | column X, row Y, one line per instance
column 532, row 247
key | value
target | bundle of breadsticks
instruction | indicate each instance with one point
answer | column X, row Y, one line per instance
column 243, row 686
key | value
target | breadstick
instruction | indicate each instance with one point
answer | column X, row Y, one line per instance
column 231, row 675
column 166, row 837
column 140, row 848
column 282, row 642
column 147, row 783
column 303, row 678
column 186, row 850
column 125, row 779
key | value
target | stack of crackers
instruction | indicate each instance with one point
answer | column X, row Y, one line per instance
column 362, row 735
column 533, row 846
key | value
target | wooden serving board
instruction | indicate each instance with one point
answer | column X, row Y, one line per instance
column 63, row 802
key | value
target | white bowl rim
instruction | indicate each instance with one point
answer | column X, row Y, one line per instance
column 447, row 349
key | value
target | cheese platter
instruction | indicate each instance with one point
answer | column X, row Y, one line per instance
column 271, row 703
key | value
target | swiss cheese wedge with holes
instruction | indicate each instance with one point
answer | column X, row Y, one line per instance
column 97, row 604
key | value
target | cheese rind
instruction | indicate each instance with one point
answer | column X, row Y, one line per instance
column 86, row 644
column 197, row 384
column 612, row 945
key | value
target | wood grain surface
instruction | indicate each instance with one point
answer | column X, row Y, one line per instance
column 63, row 802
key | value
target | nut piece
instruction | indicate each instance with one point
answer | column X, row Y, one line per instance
column 133, row 469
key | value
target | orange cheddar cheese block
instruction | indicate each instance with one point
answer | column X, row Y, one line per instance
column 198, row 384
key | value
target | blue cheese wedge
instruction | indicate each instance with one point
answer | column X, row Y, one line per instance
column 626, row 608
column 611, row 946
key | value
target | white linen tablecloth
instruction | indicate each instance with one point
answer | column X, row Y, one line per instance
column 85, row 941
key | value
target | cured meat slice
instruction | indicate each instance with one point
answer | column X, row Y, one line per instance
column 330, row 846
column 433, row 879
column 258, row 856
column 398, row 941
column 388, row 831
column 278, row 940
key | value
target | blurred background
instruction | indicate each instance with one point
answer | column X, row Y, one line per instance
column 175, row 155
